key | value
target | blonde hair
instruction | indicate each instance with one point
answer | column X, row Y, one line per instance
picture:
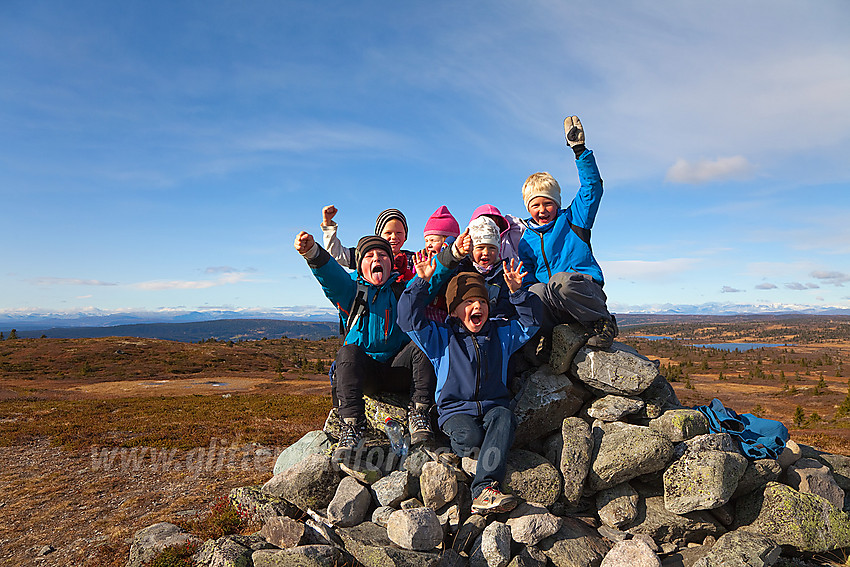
column 541, row 184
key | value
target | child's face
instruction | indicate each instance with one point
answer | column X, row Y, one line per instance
column 473, row 313
column 376, row 266
column 542, row 209
column 434, row 243
column 394, row 234
column 485, row 255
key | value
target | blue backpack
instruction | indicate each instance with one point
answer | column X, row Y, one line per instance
column 759, row 438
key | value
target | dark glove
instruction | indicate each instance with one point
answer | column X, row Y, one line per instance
column 574, row 134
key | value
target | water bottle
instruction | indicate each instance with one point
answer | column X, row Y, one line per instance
column 398, row 440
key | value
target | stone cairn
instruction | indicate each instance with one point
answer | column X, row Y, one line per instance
column 612, row 471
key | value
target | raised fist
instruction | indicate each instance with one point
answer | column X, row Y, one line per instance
column 328, row 214
column 304, row 242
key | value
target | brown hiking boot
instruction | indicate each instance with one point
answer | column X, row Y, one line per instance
column 419, row 423
column 493, row 501
column 351, row 438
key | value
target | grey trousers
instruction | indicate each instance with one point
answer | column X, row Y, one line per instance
column 571, row 297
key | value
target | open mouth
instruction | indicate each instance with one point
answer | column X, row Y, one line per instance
column 476, row 318
column 377, row 270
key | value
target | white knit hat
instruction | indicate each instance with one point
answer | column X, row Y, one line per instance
column 484, row 231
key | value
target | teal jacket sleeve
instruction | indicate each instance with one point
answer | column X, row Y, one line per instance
column 586, row 202
column 337, row 284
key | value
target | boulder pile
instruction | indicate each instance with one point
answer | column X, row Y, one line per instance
column 612, row 471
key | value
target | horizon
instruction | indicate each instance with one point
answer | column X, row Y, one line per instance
column 160, row 159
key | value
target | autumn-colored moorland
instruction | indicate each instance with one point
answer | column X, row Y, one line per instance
column 101, row 437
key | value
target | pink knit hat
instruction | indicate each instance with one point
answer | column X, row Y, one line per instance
column 494, row 214
column 442, row 223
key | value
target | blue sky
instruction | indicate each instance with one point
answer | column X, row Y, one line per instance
column 162, row 156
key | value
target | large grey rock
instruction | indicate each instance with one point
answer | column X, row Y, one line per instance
column 350, row 503
column 702, row 480
column 529, row 557
column 623, row 452
column 741, row 549
column 570, row 451
column 314, row 442
column 150, row 541
column 839, row 465
column 617, row 506
column 381, row 515
column 620, row 370
column 631, row 553
column 566, row 340
column 576, row 544
column 417, row 529
column 495, row 547
column 614, row 408
column 804, row 521
column 284, row 532
column 223, row 552
column 308, row 484
column 545, row 400
column 392, row 490
column 259, row 506
column 711, row 442
column 790, row 454
column 663, row 526
column 813, row 477
column 532, row 478
column 303, row 556
column 681, row 424
column 370, row 545
column 531, row 523
column 437, row 484
column 757, row 475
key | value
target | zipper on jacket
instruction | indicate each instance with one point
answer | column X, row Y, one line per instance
column 543, row 251
column 477, row 374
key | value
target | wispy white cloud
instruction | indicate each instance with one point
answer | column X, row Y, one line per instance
column 797, row 286
column 224, row 279
column 52, row 281
column 704, row 171
column 831, row 278
column 729, row 289
column 766, row 286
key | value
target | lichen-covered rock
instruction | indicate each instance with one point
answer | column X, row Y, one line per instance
column 663, row 526
column 617, row 506
column 631, row 553
column 150, row 541
column 839, row 465
column 529, row 557
column 417, row 529
column 382, row 514
column 350, row 503
column 530, row 523
column 259, row 506
column 658, row 398
column 303, row 556
column 570, row 451
column 223, row 552
column 545, row 400
column 622, row 452
column 702, row 480
column 370, row 545
column 620, row 370
column 804, row 521
column 576, row 544
column 741, row 549
column 532, row 478
column 614, row 408
column 310, row 483
column 681, row 424
column 314, row 442
column 566, row 340
column 393, row 489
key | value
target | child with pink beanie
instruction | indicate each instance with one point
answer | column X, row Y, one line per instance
column 440, row 227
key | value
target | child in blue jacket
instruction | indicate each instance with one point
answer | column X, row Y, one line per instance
column 470, row 354
column 555, row 247
column 377, row 355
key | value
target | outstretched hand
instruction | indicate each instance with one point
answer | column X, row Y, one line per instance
column 463, row 244
column 573, row 131
column 328, row 214
column 513, row 275
column 304, row 242
column 424, row 264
